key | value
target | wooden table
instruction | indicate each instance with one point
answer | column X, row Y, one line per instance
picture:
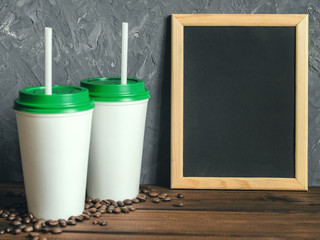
column 207, row 214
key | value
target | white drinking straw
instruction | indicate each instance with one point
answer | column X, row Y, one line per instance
column 48, row 60
column 124, row 53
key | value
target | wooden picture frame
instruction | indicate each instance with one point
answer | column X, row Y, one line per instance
column 300, row 181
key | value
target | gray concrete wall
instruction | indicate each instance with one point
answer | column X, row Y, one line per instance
column 87, row 44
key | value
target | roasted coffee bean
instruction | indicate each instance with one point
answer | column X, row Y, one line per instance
column 86, row 212
column 127, row 202
column 153, row 194
column 2, row 232
column 62, row 222
column 116, row 210
column 180, row 195
column 135, row 200
column 166, row 199
column 124, row 210
column 120, row 203
column 45, row 229
column 97, row 214
column 103, row 222
column 115, row 204
column 178, row 204
column 34, row 220
column 11, row 218
column 88, row 199
column 17, row 231
column 71, row 222
column 1, row 211
column 79, row 218
column 145, row 190
column 56, row 230
column 97, row 205
column 105, row 202
column 155, row 200
column 37, row 226
column 36, row 238
column 85, row 216
column 92, row 210
column 33, row 234
column 22, row 226
column 142, row 197
column 9, row 230
column 95, row 222
column 15, row 223
column 27, row 220
column 4, row 215
column 18, row 218
column 42, row 238
column 31, row 216
column 96, row 200
column 102, row 210
column 110, row 209
column 72, row 218
column 86, row 205
column 163, row 195
column 52, row 223
column 28, row 229
column 131, row 208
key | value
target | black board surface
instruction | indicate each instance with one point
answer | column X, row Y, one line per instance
column 239, row 102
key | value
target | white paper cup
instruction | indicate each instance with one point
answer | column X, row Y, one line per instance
column 117, row 136
column 54, row 152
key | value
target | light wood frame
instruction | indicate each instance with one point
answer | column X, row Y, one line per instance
column 300, row 182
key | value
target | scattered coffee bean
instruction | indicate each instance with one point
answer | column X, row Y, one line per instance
column 17, row 231
column 153, row 194
column 110, row 209
column 62, row 222
column 42, row 238
column 86, row 212
column 163, row 195
column 9, row 230
column 166, row 199
column 102, row 210
column 135, row 200
column 96, row 200
column 2, row 232
column 115, row 204
column 86, row 205
column 31, row 216
column 72, row 218
column 18, row 219
column 145, row 190
column 33, row 234
column 56, row 230
column 127, row 202
column 97, row 214
column 131, row 208
column 71, row 222
column 117, row 210
column 180, row 195
column 79, row 218
column 103, row 222
column 120, row 203
column 15, row 223
column 36, row 238
column 1, row 211
column 95, row 222
column 53, row 223
column 92, row 210
column 125, row 210
column 155, row 200
column 45, row 229
column 27, row 220
column 178, row 204
column 11, row 218
column 28, row 229
column 97, row 205
column 89, row 200
column 142, row 197
column 22, row 226
column 85, row 216
column 4, row 215
column 37, row 226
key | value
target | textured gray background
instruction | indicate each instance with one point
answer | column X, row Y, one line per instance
column 86, row 44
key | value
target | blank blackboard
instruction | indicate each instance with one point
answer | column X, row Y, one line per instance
column 239, row 104
column 239, row 101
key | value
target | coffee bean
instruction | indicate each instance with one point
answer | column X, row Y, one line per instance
column 127, row 202
column 9, row 230
column 45, row 229
column 120, row 203
column 153, row 194
column 97, row 214
column 135, row 200
column 117, row 210
column 31, row 216
column 95, row 222
column 180, row 195
column 115, row 204
column 1, row 211
column 33, row 234
column 86, row 205
column 92, row 210
column 89, row 200
column 72, row 218
column 85, row 216
column 28, row 229
column 52, row 223
column 37, row 226
column 103, row 222
column 142, row 197
column 97, row 205
column 71, row 222
column 124, row 210
column 155, row 200
column 110, row 209
column 145, row 190
column 2, row 232
column 34, row 220
column 163, row 195
column 62, row 222
column 131, row 208
column 4, row 215
column 105, row 202
column 11, row 218
column 96, row 200
column 178, row 204
column 79, row 218
column 18, row 218
column 166, row 199
column 36, row 238
column 102, row 210
column 27, row 220
column 42, row 238
column 17, row 231
column 56, row 230
column 22, row 226
column 15, row 223
column 86, row 212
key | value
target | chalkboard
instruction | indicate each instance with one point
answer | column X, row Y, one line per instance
column 239, row 106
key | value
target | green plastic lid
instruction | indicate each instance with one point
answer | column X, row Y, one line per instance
column 111, row 90
column 64, row 99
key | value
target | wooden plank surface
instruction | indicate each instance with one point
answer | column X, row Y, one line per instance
column 206, row 214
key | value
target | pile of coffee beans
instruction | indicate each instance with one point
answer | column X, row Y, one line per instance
column 22, row 221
